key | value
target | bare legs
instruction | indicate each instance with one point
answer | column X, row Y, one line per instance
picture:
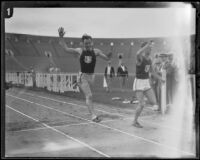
column 140, row 95
column 90, row 106
column 152, row 98
column 85, row 87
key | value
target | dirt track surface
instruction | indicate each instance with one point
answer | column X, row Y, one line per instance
column 42, row 125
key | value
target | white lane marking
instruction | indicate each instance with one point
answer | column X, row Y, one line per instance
column 67, row 125
column 72, row 104
column 50, row 108
column 83, row 106
column 146, row 121
column 23, row 114
column 47, row 126
column 132, row 135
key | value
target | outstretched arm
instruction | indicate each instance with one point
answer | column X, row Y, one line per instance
column 141, row 50
column 107, row 57
column 61, row 33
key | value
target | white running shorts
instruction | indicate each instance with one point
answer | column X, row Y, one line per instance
column 141, row 84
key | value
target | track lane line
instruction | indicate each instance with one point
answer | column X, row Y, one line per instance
column 71, row 104
column 132, row 135
column 67, row 125
column 145, row 121
column 52, row 128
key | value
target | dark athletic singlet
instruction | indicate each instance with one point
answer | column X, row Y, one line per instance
column 87, row 61
column 142, row 70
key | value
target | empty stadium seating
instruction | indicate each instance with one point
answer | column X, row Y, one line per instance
column 31, row 51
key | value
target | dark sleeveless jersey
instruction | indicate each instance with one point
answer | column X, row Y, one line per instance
column 88, row 61
column 142, row 70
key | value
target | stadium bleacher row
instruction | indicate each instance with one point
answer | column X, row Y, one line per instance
column 40, row 51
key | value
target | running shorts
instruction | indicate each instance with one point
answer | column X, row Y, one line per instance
column 141, row 84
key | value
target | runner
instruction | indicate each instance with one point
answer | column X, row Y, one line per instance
column 87, row 58
column 142, row 82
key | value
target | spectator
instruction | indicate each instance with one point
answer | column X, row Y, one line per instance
column 171, row 74
column 33, row 73
column 122, row 73
column 155, row 83
column 57, row 70
column 51, row 68
column 120, row 56
column 109, row 74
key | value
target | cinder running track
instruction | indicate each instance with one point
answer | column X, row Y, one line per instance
column 45, row 125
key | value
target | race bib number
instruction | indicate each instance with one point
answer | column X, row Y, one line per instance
column 88, row 59
column 147, row 67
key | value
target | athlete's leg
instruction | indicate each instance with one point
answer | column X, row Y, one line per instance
column 139, row 95
column 90, row 105
column 84, row 85
column 152, row 98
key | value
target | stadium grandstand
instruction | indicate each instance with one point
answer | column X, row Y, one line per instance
column 39, row 51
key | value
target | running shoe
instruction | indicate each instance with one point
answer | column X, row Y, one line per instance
column 96, row 119
column 136, row 124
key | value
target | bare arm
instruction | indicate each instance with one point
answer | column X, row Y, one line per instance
column 141, row 50
column 64, row 45
column 103, row 56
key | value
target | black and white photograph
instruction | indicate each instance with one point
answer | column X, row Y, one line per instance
column 99, row 80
